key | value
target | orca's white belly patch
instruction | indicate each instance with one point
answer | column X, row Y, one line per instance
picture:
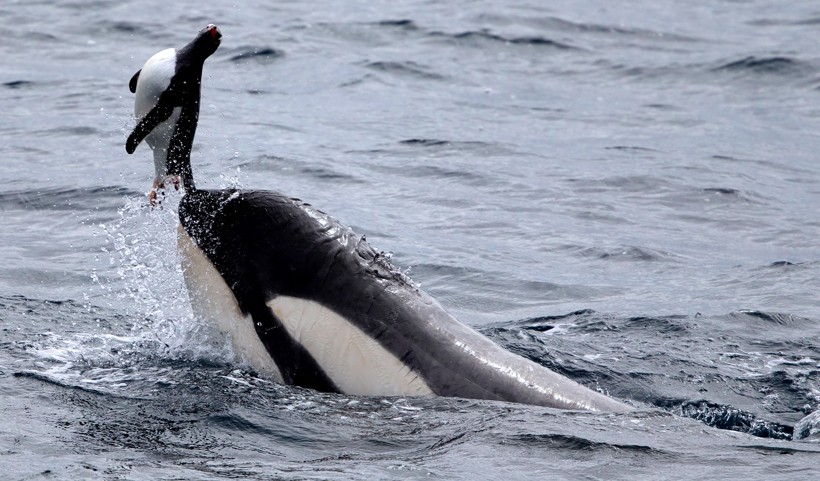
column 355, row 362
column 213, row 301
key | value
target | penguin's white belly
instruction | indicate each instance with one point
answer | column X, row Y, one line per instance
column 160, row 141
column 155, row 78
column 212, row 301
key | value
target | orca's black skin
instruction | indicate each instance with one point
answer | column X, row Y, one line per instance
column 183, row 91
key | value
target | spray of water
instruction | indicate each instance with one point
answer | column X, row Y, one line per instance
column 149, row 283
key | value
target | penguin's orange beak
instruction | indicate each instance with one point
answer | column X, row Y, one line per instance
column 214, row 31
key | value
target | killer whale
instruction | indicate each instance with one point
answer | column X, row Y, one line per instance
column 308, row 302
column 333, row 314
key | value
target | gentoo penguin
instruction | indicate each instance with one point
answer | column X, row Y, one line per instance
column 306, row 301
column 167, row 92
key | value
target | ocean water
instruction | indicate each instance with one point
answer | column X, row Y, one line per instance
column 627, row 193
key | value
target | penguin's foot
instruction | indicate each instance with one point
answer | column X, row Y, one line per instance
column 152, row 194
column 159, row 186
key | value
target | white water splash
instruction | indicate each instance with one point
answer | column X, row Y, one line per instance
column 231, row 181
column 142, row 251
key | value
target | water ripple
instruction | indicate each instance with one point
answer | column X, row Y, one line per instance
column 775, row 65
column 72, row 199
column 481, row 37
column 257, row 54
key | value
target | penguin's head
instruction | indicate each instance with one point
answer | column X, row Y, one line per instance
column 200, row 48
column 207, row 41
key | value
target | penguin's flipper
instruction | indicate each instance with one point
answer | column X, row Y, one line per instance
column 132, row 85
column 156, row 116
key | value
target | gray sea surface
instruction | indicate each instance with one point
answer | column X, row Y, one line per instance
column 625, row 192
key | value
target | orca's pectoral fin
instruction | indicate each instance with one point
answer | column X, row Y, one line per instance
column 157, row 115
column 132, row 85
